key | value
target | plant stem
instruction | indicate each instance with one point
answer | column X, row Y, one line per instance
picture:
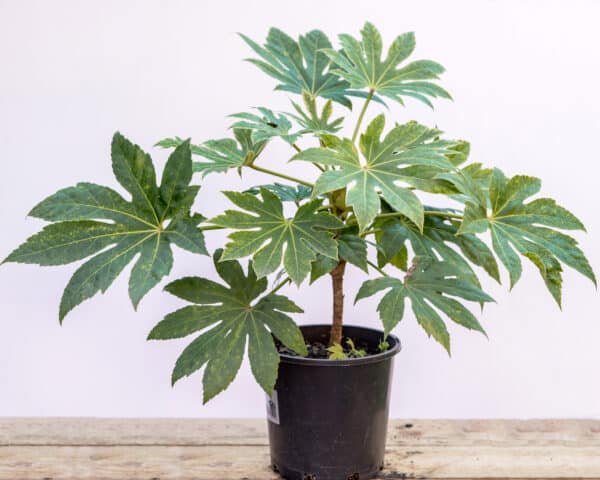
column 211, row 227
column 337, row 281
column 281, row 175
column 362, row 114
column 325, row 207
column 371, row 264
column 369, row 232
column 280, row 285
column 441, row 213
column 298, row 149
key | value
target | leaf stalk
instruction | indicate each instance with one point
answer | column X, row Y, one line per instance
column 362, row 114
column 281, row 175
column 280, row 285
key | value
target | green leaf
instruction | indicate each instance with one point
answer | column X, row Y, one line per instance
column 470, row 183
column 301, row 67
column 398, row 260
column 134, row 170
column 262, row 353
column 98, row 273
column 154, row 263
column 265, row 233
column 228, row 153
column 353, row 249
column 355, row 352
column 379, row 175
column 184, row 233
column 286, row 193
column 223, row 154
column 265, row 126
column 360, row 63
column 435, row 240
column 438, row 179
column 175, row 182
column 529, row 229
column 336, row 352
column 229, row 315
column 430, row 285
column 184, row 322
column 313, row 122
column 170, row 142
column 321, row 266
column 82, row 214
column 269, row 310
column 225, row 361
column 67, row 242
column 200, row 350
column 87, row 201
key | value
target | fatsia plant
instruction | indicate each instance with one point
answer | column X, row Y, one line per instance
column 362, row 208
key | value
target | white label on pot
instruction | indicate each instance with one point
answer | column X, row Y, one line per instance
column 273, row 408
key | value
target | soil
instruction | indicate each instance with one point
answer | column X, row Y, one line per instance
column 319, row 350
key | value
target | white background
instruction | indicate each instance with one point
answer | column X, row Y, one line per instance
column 525, row 77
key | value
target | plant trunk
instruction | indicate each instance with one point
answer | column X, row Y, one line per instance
column 337, row 281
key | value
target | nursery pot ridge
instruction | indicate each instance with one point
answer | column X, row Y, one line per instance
column 328, row 419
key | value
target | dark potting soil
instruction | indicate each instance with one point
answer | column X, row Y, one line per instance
column 319, row 350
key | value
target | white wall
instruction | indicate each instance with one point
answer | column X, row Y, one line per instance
column 526, row 81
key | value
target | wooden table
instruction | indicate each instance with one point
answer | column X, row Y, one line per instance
column 83, row 448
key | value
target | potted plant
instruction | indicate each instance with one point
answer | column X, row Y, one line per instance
column 327, row 385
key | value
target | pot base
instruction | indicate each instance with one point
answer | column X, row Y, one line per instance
column 290, row 474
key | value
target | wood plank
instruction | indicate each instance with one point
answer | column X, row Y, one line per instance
column 251, row 463
column 131, row 431
column 511, row 433
column 202, row 432
column 107, row 449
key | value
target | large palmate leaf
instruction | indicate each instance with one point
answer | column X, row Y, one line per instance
column 360, row 62
column 434, row 241
column 269, row 236
column 301, row 67
column 527, row 228
column 430, row 285
column 408, row 144
column 136, row 228
column 230, row 316
column 266, row 125
column 222, row 154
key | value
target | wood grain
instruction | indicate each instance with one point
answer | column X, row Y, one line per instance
column 80, row 448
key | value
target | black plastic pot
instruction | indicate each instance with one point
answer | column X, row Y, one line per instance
column 328, row 418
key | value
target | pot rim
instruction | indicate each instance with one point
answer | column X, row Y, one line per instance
column 395, row 347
